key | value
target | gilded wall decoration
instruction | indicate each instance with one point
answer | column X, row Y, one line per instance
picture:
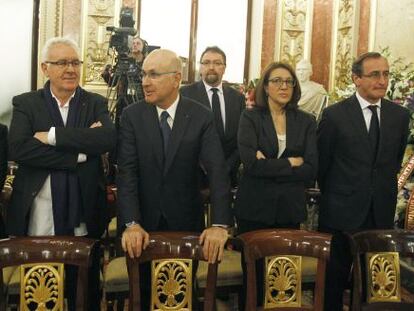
column 97, row 15
column 345, row 41
column 293, row 30
column 383, row 277
column 41, row 287
column 50, row 25
column 171, row 285
column 283, row 280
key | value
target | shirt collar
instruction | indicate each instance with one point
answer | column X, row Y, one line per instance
column 171, row 110
column 66, row 104
column 209, row 87
column 364, row 103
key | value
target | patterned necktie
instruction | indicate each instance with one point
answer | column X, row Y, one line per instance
column 374, row 129
column 165, row 130
column 218, row 120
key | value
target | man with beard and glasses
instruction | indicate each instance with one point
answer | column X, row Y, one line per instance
column 225, row 102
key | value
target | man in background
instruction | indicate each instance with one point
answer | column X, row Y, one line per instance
column 361, row 143
column 225, row 102
column 57, row 136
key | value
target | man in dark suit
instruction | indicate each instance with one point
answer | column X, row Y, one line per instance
column 361, row 144
column 57, row 136
column 225, row 102
column 162, row 141
column 158, row 159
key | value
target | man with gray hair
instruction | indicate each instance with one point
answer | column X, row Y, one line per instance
column 57, row 136
column 161, row 143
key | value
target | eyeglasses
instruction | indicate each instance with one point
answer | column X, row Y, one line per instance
column 215, row 63
column 152, row 75
column 65, row 63
column 278, row 82
column 376, row 75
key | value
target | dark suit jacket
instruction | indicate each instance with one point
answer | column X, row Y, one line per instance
column 3, row 170
column 234, row 105
column 148, row 188
column 37, row 160
column 349, row 177
column 3, row 154
column 271, row 191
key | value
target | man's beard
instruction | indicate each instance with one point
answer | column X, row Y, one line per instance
column 211, row 78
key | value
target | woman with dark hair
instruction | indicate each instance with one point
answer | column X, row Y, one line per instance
column 277, row 145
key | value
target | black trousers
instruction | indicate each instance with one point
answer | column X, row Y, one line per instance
column 338, row 269
column 246, row 226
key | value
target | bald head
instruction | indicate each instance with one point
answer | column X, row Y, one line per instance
column 166, row 59
column 162, row 77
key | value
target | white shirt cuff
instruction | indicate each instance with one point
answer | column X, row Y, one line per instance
column 82, row 157
column 51, row 136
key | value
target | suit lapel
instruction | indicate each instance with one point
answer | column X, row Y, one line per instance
column 152, row 127
column 292, row 129
column 385, row 125
column 82, row 122
column 229, row 113
column 203, row 93
column 180, row 124
column 270, row 133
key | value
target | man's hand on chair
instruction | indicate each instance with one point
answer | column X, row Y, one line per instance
column 134, row 240
column 213, row 240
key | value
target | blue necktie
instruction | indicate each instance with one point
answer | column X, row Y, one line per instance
column 165, row 130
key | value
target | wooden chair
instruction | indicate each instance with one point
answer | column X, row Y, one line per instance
column 282, row 251
column 376, row 272
column 42, row 260
column 172, row 255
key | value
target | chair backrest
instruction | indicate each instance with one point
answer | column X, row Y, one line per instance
column 171, row 255
column 376, row 272
column 42, row 270
column 283, row 251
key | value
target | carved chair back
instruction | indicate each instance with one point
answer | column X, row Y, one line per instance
column 42, row 260
column 376, row 273
column 282, row 251
column 172, row 256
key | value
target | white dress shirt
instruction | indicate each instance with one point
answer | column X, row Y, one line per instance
column 41, row 214
column 171, row 112
column 366, row 111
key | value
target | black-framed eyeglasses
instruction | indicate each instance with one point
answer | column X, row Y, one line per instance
column 278, row 82
column 63, row 63
column 152, row 75
column 376, row 75
column 215, row 63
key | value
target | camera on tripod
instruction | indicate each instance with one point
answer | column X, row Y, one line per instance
column 123, row 78
column 120, row 36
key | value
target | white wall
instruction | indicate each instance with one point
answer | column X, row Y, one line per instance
column 394, row 28
column 15, row 52
column 256, row 39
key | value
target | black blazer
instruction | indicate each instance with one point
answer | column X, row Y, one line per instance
column 348, row 176
column 37, row 160
column 149, row 187
column 271, row 191
column 3, row 154
column 3, row 170
column 234, row 105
